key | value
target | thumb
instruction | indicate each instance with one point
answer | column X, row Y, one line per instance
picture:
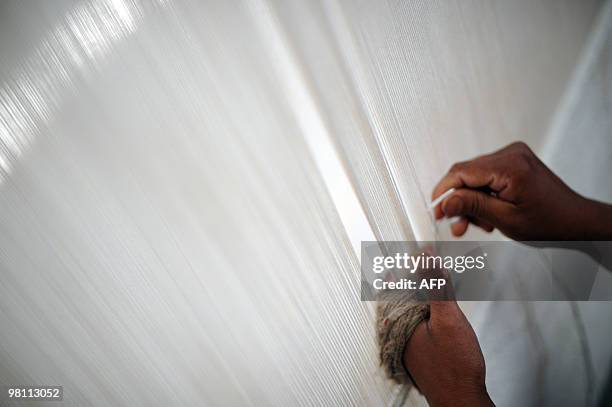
column 468, row 202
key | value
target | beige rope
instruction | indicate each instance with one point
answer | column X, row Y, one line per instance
column 396, row 319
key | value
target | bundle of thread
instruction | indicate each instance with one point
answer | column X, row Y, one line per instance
column 396, row 319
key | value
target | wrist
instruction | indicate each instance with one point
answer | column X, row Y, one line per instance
column 593, row 221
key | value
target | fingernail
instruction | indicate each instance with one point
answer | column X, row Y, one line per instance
column 453, row 206
column 454, row 219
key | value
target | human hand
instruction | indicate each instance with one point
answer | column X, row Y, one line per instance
column 513, row 191
column 444, row 359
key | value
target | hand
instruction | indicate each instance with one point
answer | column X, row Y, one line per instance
column 513, row 191
column 444, row 359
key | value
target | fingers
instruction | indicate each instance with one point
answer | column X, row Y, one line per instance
column 465, row 205
column 460, row 226
column 490, row 211
column 484, row 225
column 484, row 172
column 443, row 306
column 441, row 296
column 472, row 174
column 440, row 311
